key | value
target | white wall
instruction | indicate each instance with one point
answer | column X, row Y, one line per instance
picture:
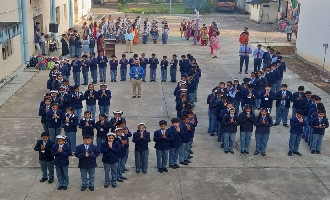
column 314, row 29
column 255, row 13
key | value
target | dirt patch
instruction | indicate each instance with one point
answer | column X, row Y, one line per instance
column 285, row 50
column 309, row 73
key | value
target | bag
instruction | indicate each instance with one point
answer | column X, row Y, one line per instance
column 50, row 65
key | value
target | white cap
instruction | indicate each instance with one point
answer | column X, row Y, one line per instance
column 118, row 129
column 60, row 137
column 183, row 89
column 118, row 112
column 54, row 91
column 113, row 134
column 142, row 124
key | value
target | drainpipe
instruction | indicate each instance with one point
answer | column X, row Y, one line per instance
column 70, row 14
column 24, row 35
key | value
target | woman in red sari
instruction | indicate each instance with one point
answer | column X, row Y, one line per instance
column 100, row 47
column 94, row 30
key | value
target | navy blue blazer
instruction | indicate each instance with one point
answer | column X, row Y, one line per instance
column 143, row 62
column 123, row 63
column 228, row 126
column 104, row 100
column 246, row 124
column 295, row 100
column 102, row 61
column 91, row 101
column 287, row 99
column 246, row 100
column 163, row 64
column 87, row 130
column 263, row 128
column 102, row 130
column 75, row 102
column 153, row 63
column 93, row 63
column 177, row 140
column 123, row 148
column 42, row 112
column 173, row 64
column 113, row 124
column 61, row 158
column 296, row 127
column 85, row 65
column 110, row 155
column 266, row 101
column 47, row 154
column 163, row 143
column 113, row 64
column 52, row 122
column 90, row 161
column 65, row 99
column 185, row 134
column 141, row 144
column 127, row 136
column 316, row 122
column 70, row 126
column 76, row 65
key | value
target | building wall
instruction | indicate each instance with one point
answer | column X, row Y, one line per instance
column 314, row 28
column 255, row 13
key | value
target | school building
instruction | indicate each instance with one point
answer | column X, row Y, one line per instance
column 17, row 21
column 313, row 33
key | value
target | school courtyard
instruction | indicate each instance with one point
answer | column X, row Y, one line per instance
column 212, row 173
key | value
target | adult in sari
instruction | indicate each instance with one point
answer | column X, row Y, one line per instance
column 94, row 30
column 136, row 34
column 204, row 36
column 215, row 44
column 100, row 47
column 188, row 32
column 65, row 46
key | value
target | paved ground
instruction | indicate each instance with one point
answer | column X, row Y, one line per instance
column 212, row 174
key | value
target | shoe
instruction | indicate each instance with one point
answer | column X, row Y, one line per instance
column 121, row 80
column 165, row 169
column 187, row 161
column 242, row 152
column 318, row 152
column 226, row 152
column 247, row 152
column 297, row 153
column 137, row 172
column 51, row 180
column 286, row 125
column 171, row 166
column 139, row 96
column 191, row 152
column 120, row 180
column 144, row 81
column 232, row 152
column 276, row 124
column 106, row 186
column 150, row 81
column 126, row 170
column 133, row 96
column 222, row 146
column 126, row 51
column 312, row 152
column 164, row 81
column 91, row 188
column 144, row 172
column 246, row 73
column 176, row 166
column 65, row 188
column 183, row 163
column 239, row 72
column 190, row 157
column 290, row 154
column 82, row 84
column 59, row 187
column 263, row 154
column 256, row 153
column 131, row 51
column 114, row 186
column 114, row 81
column 160, row 170
column 123, row 177
column 43, row 180
column 212, row 134
column 83, row 188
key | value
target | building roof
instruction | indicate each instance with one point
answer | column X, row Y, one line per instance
column 260, row 1
column 8, row 30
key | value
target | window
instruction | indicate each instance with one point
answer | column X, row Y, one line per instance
column 7, row 49
column 65, row 11
column 58, row 15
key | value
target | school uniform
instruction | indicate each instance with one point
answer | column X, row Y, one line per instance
column 72, row 44
column 231, row 94
column 267, row 101
column 145, row 36
column 208, row 100
column 163, row 69
column 296, row 102
column 178, row 108
column 275, row 76
column 88, row 164
column 296, row 131
column 262, row 133
column 113, row 70
column 282, row 106
column 186, row 137
column 311, row 109
column 238, row 97
column 123, row 69
column 229, row 129
column 141, row 151
column 110, row 161
column 175, row 146
column 102, row 130
column 61, row 163
column 191, row 87
column 173, row 69
column 154, row 35
column 143, row 64
column 162, row 146
column 76, row 69
column 76, row 103
column 281, row 69
column 102, row 61
column 302, row 105
column 46, row 159
column 70, row 130
column 153, row 67
column 93, row 67
column 87, row 130
column 56, row 84
column 85, row 70
column 121, row 156
column 54, row 124
column 249, row 100
column 318, row 133
column 216, row 106
column 78, row 47
column 246, row 129
column 126, row 147
column 56, row 100
column 257, row 54
column 165, row 35
column 65, row 99
column 104, row 101
column 43, row 109
column 113, row 123
column 90, row 97
column 49, row 83
column 91, row 46
column 182, row 67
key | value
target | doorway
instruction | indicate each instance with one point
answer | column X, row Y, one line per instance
column 39, row 19
column 265, row 14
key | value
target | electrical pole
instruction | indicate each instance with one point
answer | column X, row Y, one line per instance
column 197, row 22
column 170, row 6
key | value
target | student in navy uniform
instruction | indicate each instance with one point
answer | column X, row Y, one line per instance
column 208, row 100
column 54, row 118
column 296, row 99
column 90, row 96
column 237, row 100
column 173, row 68
column 263, row 123
column 162, row 139
column 113, row 68
column 176, row 143
column 186, row 133
column 43, row 109
column 267, row 96
column 76, row 69
column 302, row 106
column 50, row 81
column 182, row 64
column 230, row 122
column 102, row 60
column 56, row 84
column 319, row 124
column 224, row 111
column 65, row 99
column 122, row 140
column 246, row 120
column 110, row 150
column 216, row 107
column 93, row 66
column 70, row 123
column 87, row 125
column 54, row 98
column 61, row 152
column 283, row 99
column 309, row 131
column 191, row 86
column 282, row 68
column 143, row 64
column 91, row 45
column 102, row 126
column 231, row 91
column 141, row 138
column 104, row 96
column 163, row 69
column 313, row 113
column 275, row 76
column 114, row 120
column 127, row 134
column 248, row 96
column 131, row 60
column 123, row 67
column 76, row 101
column 87, row 154
column 153, row 62
column 46, row 160
column 180, row 105
column 296, row 130
column 85, row 69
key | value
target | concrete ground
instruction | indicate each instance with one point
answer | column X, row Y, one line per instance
column 211, row 175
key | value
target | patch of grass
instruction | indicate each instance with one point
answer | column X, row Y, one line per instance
column 153, row 8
